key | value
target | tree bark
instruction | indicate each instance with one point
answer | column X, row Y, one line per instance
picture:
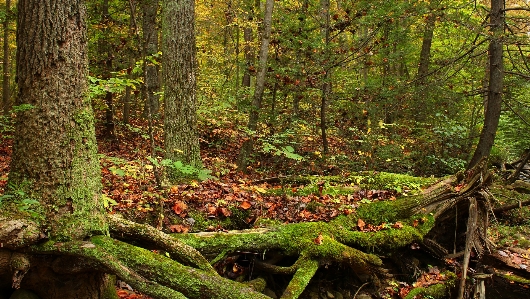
column 181, row 139
column 106, row 49
column 326, row 83
column 248, row 50
column 55, row 178
column 150, row 39
column 495, row 87
column 7, row 72
column 253, row 117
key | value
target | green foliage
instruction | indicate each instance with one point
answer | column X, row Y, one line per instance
column 19, row 195
column 99, row 87
column 280, row 144
column 184, row 169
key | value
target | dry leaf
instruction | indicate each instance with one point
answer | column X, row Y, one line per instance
column 245, row 205
column 360, row 224
column 174, row 189
column 179, row 207
column 178, row 228
column 318, row 240
column 397, row 225
column 415, row 223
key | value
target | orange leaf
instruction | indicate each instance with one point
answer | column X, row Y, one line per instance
column 397, row 225
column 178, row 228
column 245, row 205
column 174, row 189
column 224, row 211
column 360, row 224
column 415, row 223
column 318, row 240
column 179, row 207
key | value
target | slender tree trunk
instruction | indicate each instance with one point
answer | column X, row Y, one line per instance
column 252, row 7
column 7, row 74
column 300, row 61
column 425, row 54
column 423, row 69
column 54, row 159
column 495, row 86
column 326, row 84
column 249, row 56
column 181, row 139
column 150, row 39
column 127, row 98
column 105, row 49
column 246, row 149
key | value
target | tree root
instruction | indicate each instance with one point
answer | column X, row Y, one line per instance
column 151, row 273
column 306, row 270
column 121, row 228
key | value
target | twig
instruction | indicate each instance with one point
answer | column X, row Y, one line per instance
column 354, row 296
column 515, row 174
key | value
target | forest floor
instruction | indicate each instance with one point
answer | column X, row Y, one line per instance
column 233, row 200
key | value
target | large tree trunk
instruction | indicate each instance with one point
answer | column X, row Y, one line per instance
column 55, row 176
column 7, row 72
column 253, row 117
column 179, row 61
column 496, row 76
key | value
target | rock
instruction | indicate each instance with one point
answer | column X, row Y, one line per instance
column 24, row 294
column 313, row 295
column 338, row 295
column 363, row 296
column 330, row 295
column 270, row 293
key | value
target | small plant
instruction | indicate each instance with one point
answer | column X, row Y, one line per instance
column 185, row 169
column 22, row 200
column 281, row 145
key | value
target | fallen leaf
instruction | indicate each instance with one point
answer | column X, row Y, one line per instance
column 318, row 240
column 174, row 189
column 397, row 225
column 360, row 224
column 245, row 205
column 179, row 207
column 224, row 211
column 178, row 228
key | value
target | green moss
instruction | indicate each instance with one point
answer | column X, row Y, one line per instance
column 436, row 291
column 515, row 278
column 390, row 181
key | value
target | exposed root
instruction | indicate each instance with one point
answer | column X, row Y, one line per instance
column 121, row 228
column 151, row 273
column 306, row 270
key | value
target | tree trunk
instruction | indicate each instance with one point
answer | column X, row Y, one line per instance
column 150, row 39
column 55, row 176
column 326, row 84
column 7, row 73
column 495, row 86
column 253, row 117
column 181, row 140
column 248, row 50
column 425, row 54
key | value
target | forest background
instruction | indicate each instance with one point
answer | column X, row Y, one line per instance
column 396, row 86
